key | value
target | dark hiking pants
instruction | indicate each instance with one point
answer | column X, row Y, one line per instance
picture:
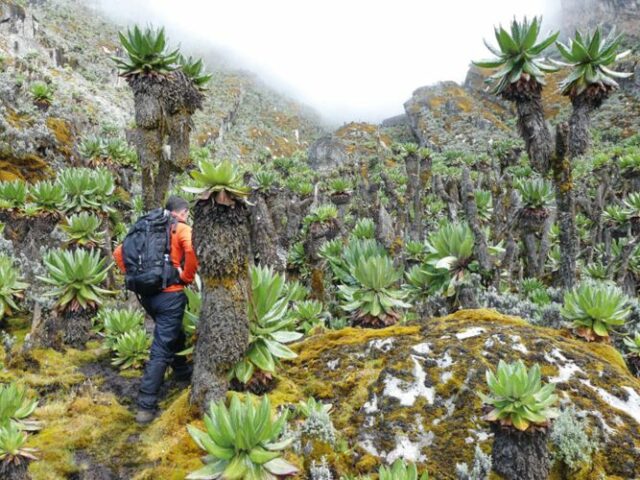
column 166, row 309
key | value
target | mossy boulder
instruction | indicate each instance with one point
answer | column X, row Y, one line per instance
column 411, row 391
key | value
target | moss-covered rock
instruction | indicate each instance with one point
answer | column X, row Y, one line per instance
column 411, row 391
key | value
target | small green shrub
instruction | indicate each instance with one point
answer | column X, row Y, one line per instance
column 242, row 442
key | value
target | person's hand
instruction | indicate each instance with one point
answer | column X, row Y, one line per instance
column 180, row 272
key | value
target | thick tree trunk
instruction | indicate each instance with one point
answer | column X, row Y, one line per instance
column 264, row 239
column 77, row 327
column 471, row 212
column 562, row 177
column 534, row 131
column 163, row 108
column 412, row 201
column 10, row 471
column 425, row 180
column 220, row 236
column 520, row 455
column 579, row 123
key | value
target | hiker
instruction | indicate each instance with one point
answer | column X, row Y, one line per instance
column 157, row 275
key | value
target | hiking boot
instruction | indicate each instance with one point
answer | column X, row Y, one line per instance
column 143, row 416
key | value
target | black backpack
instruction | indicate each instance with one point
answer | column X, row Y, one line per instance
column 147, row 254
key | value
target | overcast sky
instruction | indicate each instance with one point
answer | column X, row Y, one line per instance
column 348, row 59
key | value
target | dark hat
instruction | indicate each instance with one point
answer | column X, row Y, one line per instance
column 175, row 203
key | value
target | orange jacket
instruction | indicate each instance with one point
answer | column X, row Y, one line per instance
column 181, row 249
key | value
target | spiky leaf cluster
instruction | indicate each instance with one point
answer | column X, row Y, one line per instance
column 595, row 308
column 401, row 471
column 223, row 180
column 340, row 185
column 269, row 325
column 195, row 71
column 322, row 214
column 41, row 93
column 16, row 407
column 308, row 315
column 191, row 317
column 147, row 51
column 536, row 193
column 590, row 57
column 76, row 277
column 633, row 345
column 47, row 196
column 13, row 449
column 83, row 230
column 242, row 442
column 115, row 322
column 87, row 189
column 365, row 228
column 131, row 349
column 13, row 194
column 518, row 397
column 374, row 299
column 11, row 287
column 518, row 57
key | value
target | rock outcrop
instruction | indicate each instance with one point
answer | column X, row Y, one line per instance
column 411, row 392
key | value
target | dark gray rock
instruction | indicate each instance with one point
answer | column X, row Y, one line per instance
column 327, row 153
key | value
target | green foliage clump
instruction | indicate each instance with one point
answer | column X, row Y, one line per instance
column 147, row 52
column 16, row 407
column 191, row 316
column 114, row 322
column 242, row 442
column 590, row 56
column 13, row 449
column 518, row 397
column 195, row 71
column 595, row 308
column 365, row 228
column 266, row 179
column 517, row 55
column 633, row 345
column 83, row 230
column 13, row 194
column 47, row 196
column 223, row 180
column 76, row 277
column 401, row 471
column 340, row 185
column 374, row 300
column 536, row 193
column 322, row 214
column 269, row 325
column 131, row 349
column 308, row 315
column 41, row 93
column 87, row 189
column 11, row 287
column 573, row 445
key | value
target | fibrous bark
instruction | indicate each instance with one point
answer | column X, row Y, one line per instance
column 534, row 131
column 264, row 239
column 11, row 471
column 471, row 212
column 520, row 455
column 583, row 105
column 220, row 237
column 563, row 181
column 163, row 105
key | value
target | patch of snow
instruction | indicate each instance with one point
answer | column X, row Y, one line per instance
column 422, row 348
column 367, row 445
column 469, row 440
column 445, row 361
column 602, row 423
column 333, row 364
column 489, row 343
column 372, row 405
column 470, row 332
column 407, row 392
column 446, row 376
column 409, row 450
column 631, row 406
column 384, row 345
column 517, row 344
column 565, row 372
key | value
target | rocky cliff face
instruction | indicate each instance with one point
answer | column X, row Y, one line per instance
column 625, row 14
